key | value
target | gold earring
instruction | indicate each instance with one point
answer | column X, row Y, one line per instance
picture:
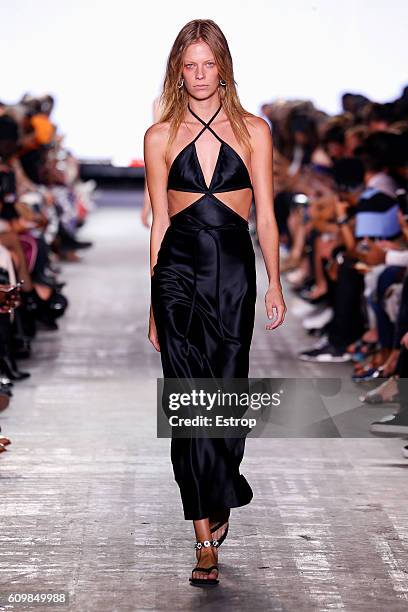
column 180, row 85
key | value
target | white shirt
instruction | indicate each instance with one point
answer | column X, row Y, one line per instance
column 383, row 182
column 394, row 257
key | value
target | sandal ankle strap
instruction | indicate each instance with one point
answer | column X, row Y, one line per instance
column 206, row 543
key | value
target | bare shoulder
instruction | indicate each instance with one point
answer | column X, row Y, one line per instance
column 157, row 135
column 258, row 128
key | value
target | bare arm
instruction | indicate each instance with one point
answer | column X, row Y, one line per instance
column 23, row 183
column 348, row 238
column 144, row 215
column 346, row 229
column 156, row 182
column 267, row 229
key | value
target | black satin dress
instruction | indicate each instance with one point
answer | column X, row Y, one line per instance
column 203, row 291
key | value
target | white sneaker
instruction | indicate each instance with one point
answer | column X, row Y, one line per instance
column 321, row 342
column 283, row 251
column 391, row 425
column 319, row 319
column 326, row 354
column 301, row 308
column 295, row 276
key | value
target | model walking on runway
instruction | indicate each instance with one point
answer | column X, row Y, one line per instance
column 206, row 160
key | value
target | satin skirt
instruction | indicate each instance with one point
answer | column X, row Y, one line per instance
column 203, row 292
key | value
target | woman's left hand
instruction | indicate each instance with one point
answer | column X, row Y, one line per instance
column 274, row 301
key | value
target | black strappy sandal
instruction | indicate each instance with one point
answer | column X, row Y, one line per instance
column 218, row 526
column 205, row 582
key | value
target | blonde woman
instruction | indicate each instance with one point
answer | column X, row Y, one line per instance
column 206, row 160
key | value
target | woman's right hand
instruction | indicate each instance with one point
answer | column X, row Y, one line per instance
column 153, row 332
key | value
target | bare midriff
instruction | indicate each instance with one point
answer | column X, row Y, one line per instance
column 239, row 201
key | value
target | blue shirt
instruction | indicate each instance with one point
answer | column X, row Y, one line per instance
column 377, row 215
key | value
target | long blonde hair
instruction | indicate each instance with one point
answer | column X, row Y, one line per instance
column 174, row 100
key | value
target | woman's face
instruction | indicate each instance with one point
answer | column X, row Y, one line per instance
column 199, row 70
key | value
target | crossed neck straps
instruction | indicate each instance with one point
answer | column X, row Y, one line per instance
column 199, row 118
column 205, row 124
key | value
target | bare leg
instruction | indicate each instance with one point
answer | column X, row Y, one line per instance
column 384, row 393
column 320, row 287
column 12, row 243
column 205, row 556
column 43, row 291
column 371, row 335
column 298, row 234
column 216, row 519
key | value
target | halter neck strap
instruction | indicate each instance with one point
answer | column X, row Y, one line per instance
column 199, row 118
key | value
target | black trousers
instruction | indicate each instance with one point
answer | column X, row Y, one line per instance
column 350, row 314
column 401, row 329
column 401, row 326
